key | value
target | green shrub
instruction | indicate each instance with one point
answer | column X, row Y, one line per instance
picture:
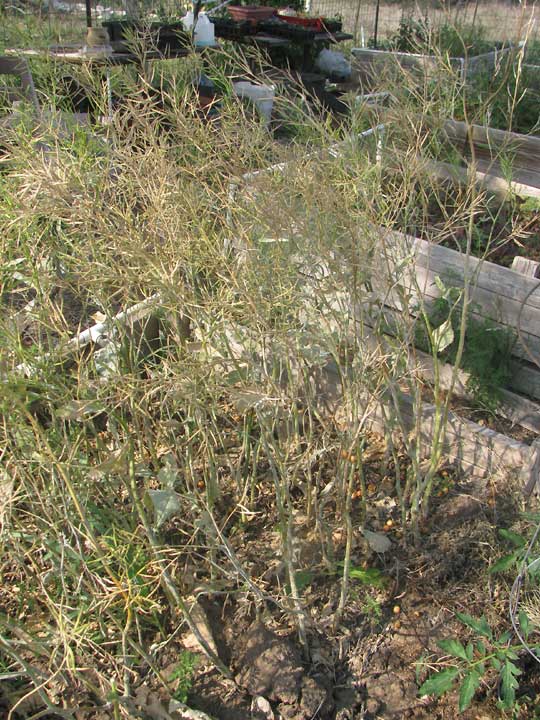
column 506, row 100
column 451, row 40
column 487, row 352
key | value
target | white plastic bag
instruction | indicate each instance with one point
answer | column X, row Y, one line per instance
column 262, row 96
column 334, row 64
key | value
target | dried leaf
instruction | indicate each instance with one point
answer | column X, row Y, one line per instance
column 377, row 541
column 98, row 317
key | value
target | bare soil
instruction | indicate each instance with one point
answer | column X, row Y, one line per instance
column 370, row 665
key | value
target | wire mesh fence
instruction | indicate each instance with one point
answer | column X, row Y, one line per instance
column 500, row 19
column 64, row 20
column 43, row 22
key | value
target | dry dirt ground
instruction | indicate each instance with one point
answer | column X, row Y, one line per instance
column 370, row 663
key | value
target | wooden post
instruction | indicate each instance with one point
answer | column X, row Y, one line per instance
column 356, row 20
column 531, row 471
column 522, row 265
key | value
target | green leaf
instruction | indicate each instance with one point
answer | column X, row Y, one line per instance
column 478, row 625
column 514, row 538
column 453, row 647
column 469, row 686
column 534, row 568
column 166, row 503
column 480, row 647
column 470, row 651
column 367, row 576
column 504, row 563
column 303, row 579
column 524, row 623
column 496, row 663
column 443, row 336
column 509, row 684
column 439, row 683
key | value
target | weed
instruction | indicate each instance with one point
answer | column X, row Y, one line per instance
column 487, row 349
column 474, row 663
column 449, row 39
column 144, row 466
column 513, row 559
column 182, row 675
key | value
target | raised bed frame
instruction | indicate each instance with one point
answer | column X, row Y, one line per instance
column 508, row 298
column 371, row 62
column 488, row 145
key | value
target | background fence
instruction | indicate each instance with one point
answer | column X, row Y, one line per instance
column 501, row 19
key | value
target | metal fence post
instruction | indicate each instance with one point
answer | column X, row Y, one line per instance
column 376, row 29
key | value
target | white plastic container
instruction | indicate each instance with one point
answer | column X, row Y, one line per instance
column 262, row 96
column 204, row 31
column 187, row 21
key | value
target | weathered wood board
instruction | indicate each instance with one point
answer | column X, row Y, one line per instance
column 405, row 273
column 474, row 449
column 497, row 152
column 372, row 63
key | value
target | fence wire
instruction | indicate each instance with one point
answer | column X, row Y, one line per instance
column 65, row 19
column 500, row 19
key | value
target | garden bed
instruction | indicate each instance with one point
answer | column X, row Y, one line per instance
column 501, row 232
column 512, row 157
column 506, row 298
column 372, row 64
column 506, row 210
column 499, row 295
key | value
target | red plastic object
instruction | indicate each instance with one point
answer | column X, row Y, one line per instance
column 308, row 22
column 252, row 13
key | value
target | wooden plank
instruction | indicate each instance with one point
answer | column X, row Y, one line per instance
column 525, row 266
column 499, row 186
column 500, row 280
column 496, row 307
column 499, row 139
column 488, row 161
column 464, row 441
column 522, row 177
column 525, row 378
column 409, row 269
column 531, row 471
column 490, row 144
column 476, row 450
column 519, row 410
column 500, row 291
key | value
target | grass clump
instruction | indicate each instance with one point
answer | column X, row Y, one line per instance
column 487, row 353
column 449, row 39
